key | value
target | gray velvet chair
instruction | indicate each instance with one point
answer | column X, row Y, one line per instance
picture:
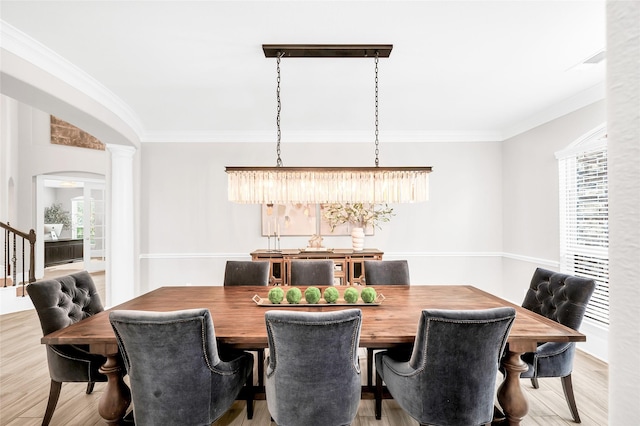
column 383, row 272
column 562, row 298
column 312, row 272
column 59, row 303
column 246, row 272
column 450, row 378
column 386, row 272
column 176, row 374
column 313, row 375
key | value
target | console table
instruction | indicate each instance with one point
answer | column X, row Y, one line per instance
column 349, row 264
column 57, row 252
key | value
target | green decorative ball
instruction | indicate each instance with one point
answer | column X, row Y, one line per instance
column 331, row 294
column 351, row 295
column 312, row 295
column 294, row 295
column 276, row 295
column 368, row 294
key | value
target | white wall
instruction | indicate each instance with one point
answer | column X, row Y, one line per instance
column 530, row 206
column 190, row 229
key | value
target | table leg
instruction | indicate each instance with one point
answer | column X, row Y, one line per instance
column 510, row 395
column 117, row 396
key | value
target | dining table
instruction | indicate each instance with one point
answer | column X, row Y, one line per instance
column 391, row 321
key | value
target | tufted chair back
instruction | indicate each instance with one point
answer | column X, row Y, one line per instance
column 66, row 300
column 562, row 298
column 313, row 375
column 312, row 272
column 385, row 272
column 59, row 303
column 246, row 272
column 451, row 376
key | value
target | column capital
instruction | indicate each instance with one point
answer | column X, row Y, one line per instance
column 122, row 150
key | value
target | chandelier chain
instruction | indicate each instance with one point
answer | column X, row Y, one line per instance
column 279, row 108
column 376, row 104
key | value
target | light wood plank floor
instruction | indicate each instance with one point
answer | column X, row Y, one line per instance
column 24, row 388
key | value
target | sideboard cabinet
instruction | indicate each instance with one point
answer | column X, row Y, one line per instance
column 57, row 252
column 349, row 264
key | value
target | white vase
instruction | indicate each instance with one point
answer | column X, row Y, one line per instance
column 357, row 238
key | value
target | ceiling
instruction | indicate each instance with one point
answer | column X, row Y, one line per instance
column 459, row 70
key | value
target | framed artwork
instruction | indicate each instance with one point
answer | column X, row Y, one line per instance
column 289, row 219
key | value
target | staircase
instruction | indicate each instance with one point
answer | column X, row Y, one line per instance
column 18, row 254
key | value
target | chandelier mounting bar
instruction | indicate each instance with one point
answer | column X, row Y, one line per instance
column 327, row 50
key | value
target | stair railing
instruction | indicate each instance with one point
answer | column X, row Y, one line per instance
column 10, row 260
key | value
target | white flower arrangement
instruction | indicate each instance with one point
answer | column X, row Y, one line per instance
column 358, row 214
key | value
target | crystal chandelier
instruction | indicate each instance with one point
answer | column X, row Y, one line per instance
column 282, row 185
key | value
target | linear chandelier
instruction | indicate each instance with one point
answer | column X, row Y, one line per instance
column 282, row 185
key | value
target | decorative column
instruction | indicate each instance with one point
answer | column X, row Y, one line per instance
column 623, row 127
column 120, row 284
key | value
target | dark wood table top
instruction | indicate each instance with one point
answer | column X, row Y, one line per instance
column 239, row 321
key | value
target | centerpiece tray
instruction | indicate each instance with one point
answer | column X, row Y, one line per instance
column 265, row 302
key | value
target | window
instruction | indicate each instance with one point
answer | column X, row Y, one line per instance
column 77, row 219
column 584, row 217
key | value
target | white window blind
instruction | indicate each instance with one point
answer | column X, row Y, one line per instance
column 584, row 220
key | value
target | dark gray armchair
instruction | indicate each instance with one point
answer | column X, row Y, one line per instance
column 450, row 378
column 246, row 272
column 59, row 303
column 312, row 272
column 313, row 375
column 176, row 374
column 383, row 272
column 562, row 298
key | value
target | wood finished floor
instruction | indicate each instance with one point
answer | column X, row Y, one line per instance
column 24, row 388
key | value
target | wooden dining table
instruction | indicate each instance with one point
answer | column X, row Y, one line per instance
column 238, row 318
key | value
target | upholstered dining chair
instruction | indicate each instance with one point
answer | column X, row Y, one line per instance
column 312, row 272
column 562, row 298
column 451, row 376
column 246, row 272
column 313, row 375
column 249, row 272
column 176, row 374
column 59, row 303
column 383, row 272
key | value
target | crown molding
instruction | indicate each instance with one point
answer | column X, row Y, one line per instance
column 582, row 99
column 21, row 45
column 319, row 136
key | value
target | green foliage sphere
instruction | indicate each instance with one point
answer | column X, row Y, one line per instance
column 276, row 295
column 312, row 295
column 368, row 294
column 331, row 294
column 294, row 295
column 351, row 295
